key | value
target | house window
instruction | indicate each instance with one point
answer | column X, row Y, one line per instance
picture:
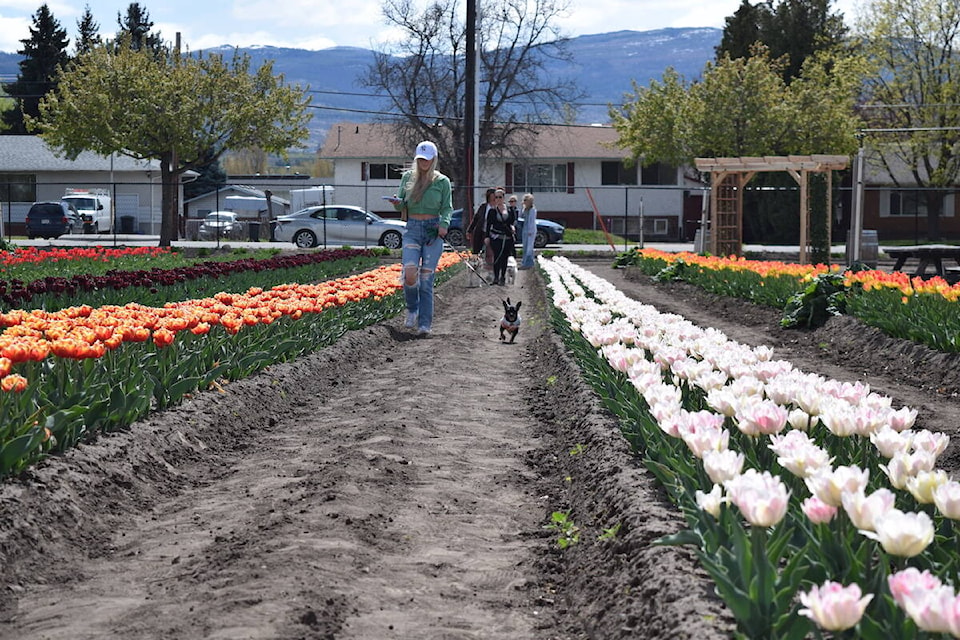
column 656, row 226
column 658, row 174
column 612, row 173
column 18, row 187
column 539, row 178
column 912, row 203
column 383, row 171
column 907, row 203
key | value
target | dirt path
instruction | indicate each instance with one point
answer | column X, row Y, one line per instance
column 386, row 487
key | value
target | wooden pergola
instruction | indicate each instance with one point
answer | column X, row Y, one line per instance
column 730, row 176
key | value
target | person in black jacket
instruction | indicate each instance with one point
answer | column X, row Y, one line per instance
column 475, row 232
column 499, row 231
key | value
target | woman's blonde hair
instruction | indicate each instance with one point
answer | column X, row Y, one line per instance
column 526, row 197
column 419, row 182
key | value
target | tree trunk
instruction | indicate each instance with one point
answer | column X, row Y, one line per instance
column 168, row 200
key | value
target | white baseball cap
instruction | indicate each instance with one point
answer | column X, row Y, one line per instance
column 426, row 150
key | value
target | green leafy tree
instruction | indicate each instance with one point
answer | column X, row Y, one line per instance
column 915, row 95
column 43, row 52
column 743, row 107
column 88, row 32
column 791, row 30
column 655, row 122
column 185, row 112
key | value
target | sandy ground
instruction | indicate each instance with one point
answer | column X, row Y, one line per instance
column 397, row 487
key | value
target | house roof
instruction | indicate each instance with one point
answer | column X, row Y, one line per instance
column 21, row 154
column 369, row 140
column 239, row 189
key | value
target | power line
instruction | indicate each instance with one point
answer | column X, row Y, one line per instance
column 422, row 116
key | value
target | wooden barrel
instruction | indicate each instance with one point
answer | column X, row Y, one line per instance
column 869, row 248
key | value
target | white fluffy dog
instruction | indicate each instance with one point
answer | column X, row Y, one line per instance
column 511, row 275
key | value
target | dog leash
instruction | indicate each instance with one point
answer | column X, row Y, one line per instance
column 470, row 266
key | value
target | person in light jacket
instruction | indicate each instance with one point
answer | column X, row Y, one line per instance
column 529, row 232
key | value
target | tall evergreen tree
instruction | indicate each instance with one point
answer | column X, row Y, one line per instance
column 796, row 29
column 799, row 29
column 43, row 52
column 136, row 27
column 211, row 178
column 742, row 30
column 88, row 35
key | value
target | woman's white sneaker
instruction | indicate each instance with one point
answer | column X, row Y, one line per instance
column 411, row 320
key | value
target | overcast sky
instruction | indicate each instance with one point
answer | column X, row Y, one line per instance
column 320, row 24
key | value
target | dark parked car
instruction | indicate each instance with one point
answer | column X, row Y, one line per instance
column 52, row 220
column 548, row 231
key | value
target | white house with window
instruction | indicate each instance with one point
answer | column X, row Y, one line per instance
column 576, row 174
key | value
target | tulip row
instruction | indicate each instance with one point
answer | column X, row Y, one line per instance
column 767, row 282
column 70, row 373
column 157, row 285
column 11, row 260
column 800, row 492
column 924, row 311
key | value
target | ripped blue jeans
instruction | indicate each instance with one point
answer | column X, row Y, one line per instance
column 422, row 248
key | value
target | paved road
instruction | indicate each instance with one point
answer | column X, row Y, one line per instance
column 152, row 240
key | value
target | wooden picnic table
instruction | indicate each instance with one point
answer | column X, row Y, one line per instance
column 928, row 255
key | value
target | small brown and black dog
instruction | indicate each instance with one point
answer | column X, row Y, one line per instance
column 510, row 322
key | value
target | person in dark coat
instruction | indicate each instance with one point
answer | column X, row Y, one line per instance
column 500, row 231
column 476, row 229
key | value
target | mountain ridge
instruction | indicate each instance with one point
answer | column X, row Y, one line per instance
column 604, row 66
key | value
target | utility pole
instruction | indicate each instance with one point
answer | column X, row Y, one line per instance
column 470, row 112
column 856, row 222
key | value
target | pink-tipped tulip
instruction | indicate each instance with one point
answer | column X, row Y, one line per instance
column 711, row 502
column 723, row 465
column 762, row 498
column 834, row 607
column 863, row 510
column 947, row 499
column 830, row 485
column 818, row 511
column 761, row 418
column 902, row 534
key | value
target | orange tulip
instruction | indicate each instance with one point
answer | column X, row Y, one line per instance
column 13, row 382
column 163, row 337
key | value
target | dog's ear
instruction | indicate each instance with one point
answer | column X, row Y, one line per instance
column 506, row 304
column 518, row 305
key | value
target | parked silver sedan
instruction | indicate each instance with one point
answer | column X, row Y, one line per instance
column 339, row 225
column 220, row 223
